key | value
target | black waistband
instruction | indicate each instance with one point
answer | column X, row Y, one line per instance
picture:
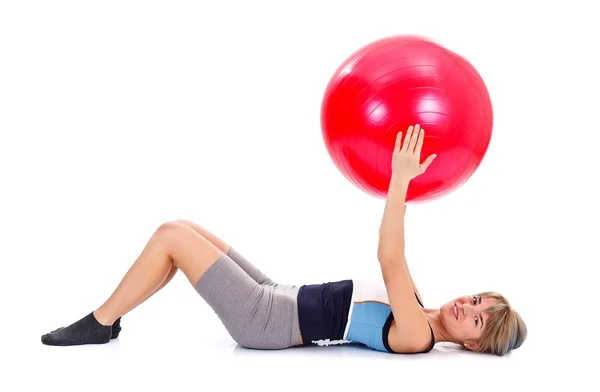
column 323, row 310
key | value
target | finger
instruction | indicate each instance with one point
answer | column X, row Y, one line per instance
column 398, row 142
column 420, row 139
column 414, row 138
column 409, row 133
column 427, row 162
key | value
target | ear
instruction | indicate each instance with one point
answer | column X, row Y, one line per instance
column 471, row 346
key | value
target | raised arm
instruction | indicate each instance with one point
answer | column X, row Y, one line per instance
column 412, row 281
column 411, row 325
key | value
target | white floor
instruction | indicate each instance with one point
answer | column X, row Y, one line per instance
column 164, row 346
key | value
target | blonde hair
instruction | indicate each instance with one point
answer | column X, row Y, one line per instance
column 504, row 329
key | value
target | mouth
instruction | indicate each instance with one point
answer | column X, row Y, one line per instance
column 455, row 310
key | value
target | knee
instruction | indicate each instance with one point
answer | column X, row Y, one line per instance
column 179, row 223
column 168, row 229
column 185, row 222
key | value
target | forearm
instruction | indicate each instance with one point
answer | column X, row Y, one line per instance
column 391, row 232
column 397, row 187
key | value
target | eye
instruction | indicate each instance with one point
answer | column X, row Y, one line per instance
column 476, row 320
column 474, row 300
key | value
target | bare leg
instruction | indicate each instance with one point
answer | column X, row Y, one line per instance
column 213, row 239
column 254, row 272
column 216, row 241
column 169, row 277
column 172, row 245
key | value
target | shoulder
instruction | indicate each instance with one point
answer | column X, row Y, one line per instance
column 419, row 339
column 416, row 340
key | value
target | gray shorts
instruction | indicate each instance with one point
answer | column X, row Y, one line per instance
column 257, row 312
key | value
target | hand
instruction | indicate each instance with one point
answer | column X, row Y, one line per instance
column 405, row 158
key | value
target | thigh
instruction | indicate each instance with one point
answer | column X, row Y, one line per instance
column 255, row 273
column 191, row 252
column 256, row 316
column 216, row 241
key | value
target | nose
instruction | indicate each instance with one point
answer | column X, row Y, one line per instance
column 468, row 309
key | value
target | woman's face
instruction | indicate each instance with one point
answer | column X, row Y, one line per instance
column 464, row 319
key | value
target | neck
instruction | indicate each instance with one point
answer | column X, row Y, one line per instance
column 439, row 331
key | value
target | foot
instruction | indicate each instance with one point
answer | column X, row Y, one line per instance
column 116, row 329
column 85, row 331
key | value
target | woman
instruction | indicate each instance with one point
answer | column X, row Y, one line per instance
column 258, row 313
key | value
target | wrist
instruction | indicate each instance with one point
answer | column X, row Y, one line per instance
column 399, row 181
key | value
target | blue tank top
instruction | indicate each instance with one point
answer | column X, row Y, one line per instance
column 346, row 312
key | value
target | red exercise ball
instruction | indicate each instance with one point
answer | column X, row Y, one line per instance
column 390, row 84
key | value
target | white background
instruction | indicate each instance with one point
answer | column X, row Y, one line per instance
column 116, row 116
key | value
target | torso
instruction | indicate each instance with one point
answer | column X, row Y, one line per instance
column 394, row 343
column 366, row 317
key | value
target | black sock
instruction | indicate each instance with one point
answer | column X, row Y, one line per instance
column 116, row 328
column 85, row 331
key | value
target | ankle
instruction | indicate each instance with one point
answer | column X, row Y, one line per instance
column 104, row 318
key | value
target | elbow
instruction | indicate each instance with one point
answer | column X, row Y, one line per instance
column 389, row 252
column 390, row 267
column 389, row 257
column 382, row 257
